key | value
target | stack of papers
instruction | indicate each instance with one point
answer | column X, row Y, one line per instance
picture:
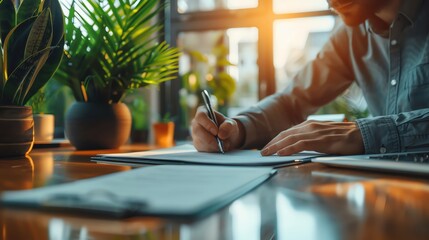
column 182, row 191
column 187, row 154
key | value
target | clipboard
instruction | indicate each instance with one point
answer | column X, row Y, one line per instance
column 168, row 190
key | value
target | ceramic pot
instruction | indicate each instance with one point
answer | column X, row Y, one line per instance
column 17, row 134
column 97, row 125
column 44, row 126
column 164, row 134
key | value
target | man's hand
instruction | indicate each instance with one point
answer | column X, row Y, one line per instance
column 204, row 131
column 343, row 138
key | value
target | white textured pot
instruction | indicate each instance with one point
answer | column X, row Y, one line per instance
column 44, row 126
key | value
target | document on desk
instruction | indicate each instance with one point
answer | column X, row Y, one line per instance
column 187, row 154
column 169, row 190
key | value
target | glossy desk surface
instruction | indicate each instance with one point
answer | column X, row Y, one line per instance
column 309, row 201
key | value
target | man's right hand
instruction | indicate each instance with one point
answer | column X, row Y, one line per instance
column 205, row 130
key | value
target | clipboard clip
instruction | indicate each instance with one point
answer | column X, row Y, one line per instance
column 101, row 201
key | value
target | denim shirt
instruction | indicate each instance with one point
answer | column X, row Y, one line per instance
column 391, row 68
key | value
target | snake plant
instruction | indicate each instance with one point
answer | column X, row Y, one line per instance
column 31, row 47
column 112, row 47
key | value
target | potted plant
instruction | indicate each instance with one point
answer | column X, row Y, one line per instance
column 110, row 49
column 44, row 123
column 31, row 46
column 164, row 131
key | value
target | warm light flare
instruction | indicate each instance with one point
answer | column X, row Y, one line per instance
column 291, row 6
column 209, row 77
column 192, row 80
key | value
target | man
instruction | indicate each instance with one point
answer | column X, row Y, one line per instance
column 385, row 49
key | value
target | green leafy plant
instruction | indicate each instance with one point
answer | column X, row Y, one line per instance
column 139, row 113
column 112, row 47
column 38, row 102
column 32, row 43
column 220, row 81
column 166, row 118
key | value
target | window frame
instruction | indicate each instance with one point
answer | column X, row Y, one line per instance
column 262, row 17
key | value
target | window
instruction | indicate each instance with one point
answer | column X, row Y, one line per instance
column 185, row 6
column 266, row 43
column 293, row 6
column 291, row 54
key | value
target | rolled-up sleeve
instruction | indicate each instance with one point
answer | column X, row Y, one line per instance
column 396, row 133
column 318, row 83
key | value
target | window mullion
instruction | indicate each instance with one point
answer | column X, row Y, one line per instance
column 265, row 51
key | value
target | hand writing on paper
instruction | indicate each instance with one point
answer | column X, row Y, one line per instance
column 343, row 138
column 204, row 131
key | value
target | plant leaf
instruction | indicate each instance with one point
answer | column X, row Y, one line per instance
column 27, row 9
column 40, row 38
column 14, row 45
column 29, row 83
column 2, row 77
column 116, row 14
column 57, row 50
column 16, row 78
column 18, row 92
column 7, row 18
column 115, row 48
column 48, row 69
column 57, row 20
column 40, row 35
column 70, row 29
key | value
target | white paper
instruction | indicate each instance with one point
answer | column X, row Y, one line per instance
column 187, row 154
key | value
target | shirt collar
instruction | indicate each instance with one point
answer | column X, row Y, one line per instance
column 409, row 9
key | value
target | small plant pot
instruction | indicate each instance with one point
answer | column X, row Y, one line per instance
column 44, row 126
column 98, row 125
column 164, row 134
column 17, row 131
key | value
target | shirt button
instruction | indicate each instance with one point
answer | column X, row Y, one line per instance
column 393, row 82
column 383, row 150
column 393, row 42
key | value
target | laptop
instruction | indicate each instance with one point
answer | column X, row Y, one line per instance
column 406, row 162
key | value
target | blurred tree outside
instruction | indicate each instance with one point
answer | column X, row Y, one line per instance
column 207, row 71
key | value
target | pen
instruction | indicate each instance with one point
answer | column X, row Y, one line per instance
column 207, row 103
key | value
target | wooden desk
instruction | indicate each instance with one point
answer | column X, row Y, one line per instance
column 310, row 201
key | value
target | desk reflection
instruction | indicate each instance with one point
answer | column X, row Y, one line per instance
column 307, row 201
column 20, row 224
column 26, row 172
column 251, row 217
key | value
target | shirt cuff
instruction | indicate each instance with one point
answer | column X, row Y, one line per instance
column 249, row 137
column 380, row 135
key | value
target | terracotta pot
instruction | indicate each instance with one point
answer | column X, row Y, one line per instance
column 164, row 134
column 98, row 125
column 17, row 131
column 44, row 126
